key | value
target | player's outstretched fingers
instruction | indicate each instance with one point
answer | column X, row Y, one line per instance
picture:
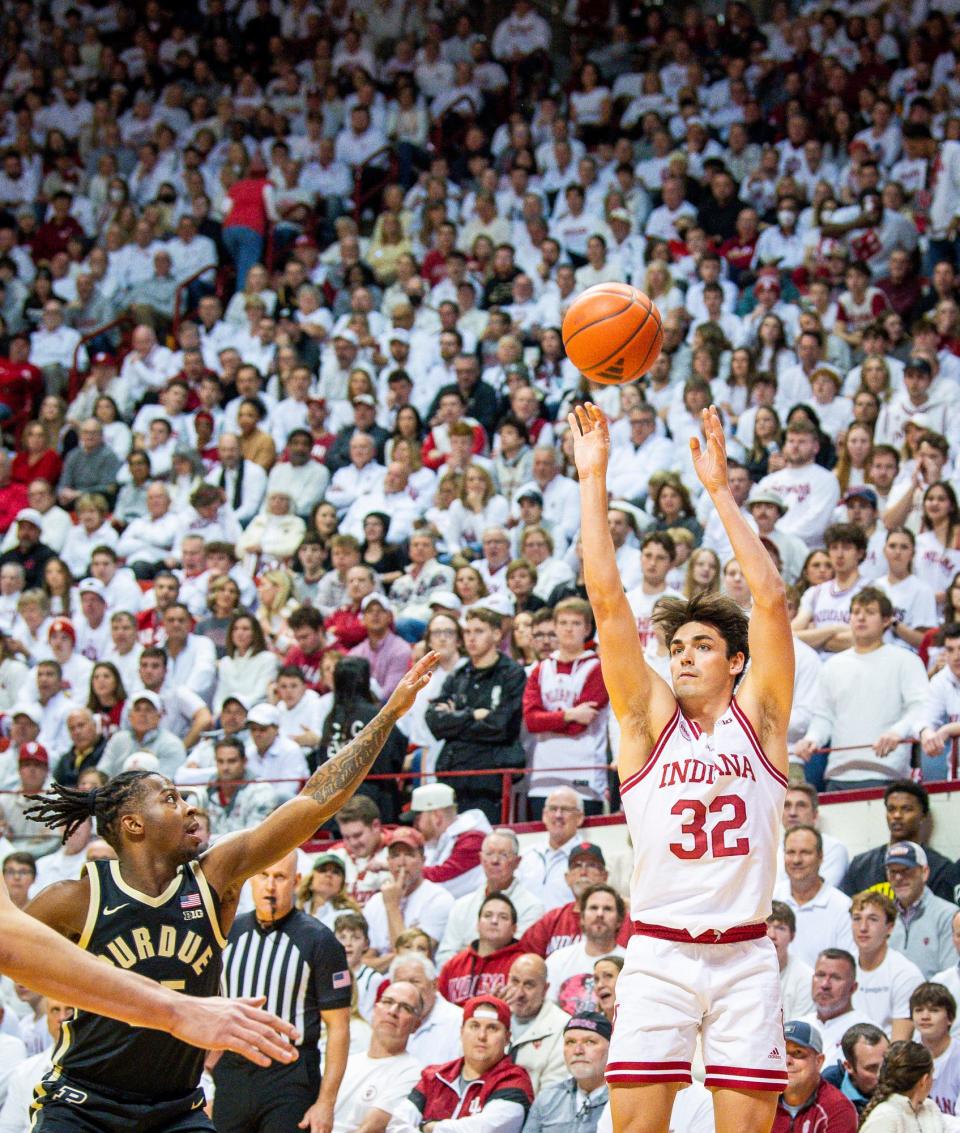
column 580, row 418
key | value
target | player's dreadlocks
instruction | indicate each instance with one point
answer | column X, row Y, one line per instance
column 67, row 808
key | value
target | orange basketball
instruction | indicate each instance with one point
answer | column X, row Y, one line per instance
column 613, row 333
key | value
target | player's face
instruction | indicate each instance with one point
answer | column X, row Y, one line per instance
column 801, row 858
column 699, row 663
column 484, row 1042
column 904, row 816
column 833, row 987
column 933, row 1023
column 798, row 810
column 871, row 929
column 171, row 821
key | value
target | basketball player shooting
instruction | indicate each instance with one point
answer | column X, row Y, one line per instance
column 164, row 912
column 703, row 777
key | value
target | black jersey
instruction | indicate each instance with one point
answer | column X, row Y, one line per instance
column 175, row 939
column 297, row 963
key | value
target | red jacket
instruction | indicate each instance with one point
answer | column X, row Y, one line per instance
column 560, row 927
column 150, row 629
column 540, row 719
column 47, row 466
column 12, row 498
column 826, row 1111
column 468, row 973
column 345, row 627
column 464, row 857
column 310, row 664
column 436, row 1098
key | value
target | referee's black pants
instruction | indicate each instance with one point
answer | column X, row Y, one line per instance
column 264, row 1099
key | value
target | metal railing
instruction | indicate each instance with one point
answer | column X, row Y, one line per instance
column 74, row 378
column 181, row 287
column 361, row 195
column 460, row 130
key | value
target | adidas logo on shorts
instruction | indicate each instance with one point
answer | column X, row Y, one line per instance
column 775, row 1053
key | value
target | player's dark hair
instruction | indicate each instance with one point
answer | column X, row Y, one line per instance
column 869, row 1032
column 781, row 913
column 503, row 899
column 715, row 610
column 817, row 836
column 908, row 787
column 931, row 994
column 904, row 1064
column 67, row 808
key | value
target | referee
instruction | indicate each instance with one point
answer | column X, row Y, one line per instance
column 284, row 954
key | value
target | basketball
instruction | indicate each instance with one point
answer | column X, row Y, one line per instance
column 613, row 333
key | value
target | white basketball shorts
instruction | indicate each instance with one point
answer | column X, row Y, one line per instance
column 668, row 991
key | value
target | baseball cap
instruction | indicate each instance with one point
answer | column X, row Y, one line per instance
column 149, row 696
column 239, row 700
column 348, row 336
column 590, row 1021
column 803, row 1034
column 487, row 1007
column 379, row 599
column 500, row 602
column 907, row 854
column 62, row 625
column 364, row 399
column 432, row 796
column 446, row 600
column 32, row 711
column 398, row 334
column 34, row 753
column 587, row 850
column 921, row 420
column 767, row 283
column 406, row 836
column 760, row 495
column 920, row 364
column 329, row 859
column 267, row 715
column 862, row 493
column 141, row 761
column 103, row 358
column 531, row 494
column 92, row 586
column 620, row 214
column 30, row 515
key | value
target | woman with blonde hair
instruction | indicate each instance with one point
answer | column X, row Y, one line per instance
column 875, row 377
column 659, row 285
column 276, row 605
column 388, row 244
column 223, row 602
column 702, row 574
column 854, row 458
column 477, row 507
column 323, row 892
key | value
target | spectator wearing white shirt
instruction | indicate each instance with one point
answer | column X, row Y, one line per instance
column 821, row 910
column 940, row 719
column 543, row 865
column 801, row 807
column 148, row 366
column 302, row 711
column 561, row 497
column 636, row 461
column 886, row 979
column 243, row 481
column 363, row 474
column 834, row 985
column 811, row 492
column 437, row 1036
column 146, row 543
column 191, row 659
column 796, row 975
column 520, row 35
column 190, row 252
column 272, row 757
column 781, row 244
column 662, row 221
column 53, row 345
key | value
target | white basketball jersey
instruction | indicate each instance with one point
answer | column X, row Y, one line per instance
column 704, row 816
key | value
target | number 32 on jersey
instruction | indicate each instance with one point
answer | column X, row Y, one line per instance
column 710, row 828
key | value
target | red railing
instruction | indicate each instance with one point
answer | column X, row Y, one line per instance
column 360, row 195
column 73, row 382
column 181, row 287
column 438, row 129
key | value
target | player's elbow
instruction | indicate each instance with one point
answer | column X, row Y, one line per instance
column 772, row 595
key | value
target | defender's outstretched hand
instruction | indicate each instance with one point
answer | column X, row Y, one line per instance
column 591, row 440
column 412, row 682
column 711, row 462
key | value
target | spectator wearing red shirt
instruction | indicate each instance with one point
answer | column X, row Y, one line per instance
column 306, row 625
column 738, row 250
column 345, row 628
column 814, row 1105
column 53, row 234
column 34, row 460
column 13, row 495
column 482, row 969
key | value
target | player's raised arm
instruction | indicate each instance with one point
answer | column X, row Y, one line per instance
column 239, row 856
column 38, row 957
column 642, row 701
column 767, row 690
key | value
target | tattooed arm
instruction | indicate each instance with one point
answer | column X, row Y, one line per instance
column 232, row 860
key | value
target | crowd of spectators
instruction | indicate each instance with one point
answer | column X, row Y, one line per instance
column 284, row 398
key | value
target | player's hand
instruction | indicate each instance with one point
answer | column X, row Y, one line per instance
column 887, row 743
column 711, row 462
column 318, row 1118
column 591, row 440
column 234, row 1024
column 403, row 696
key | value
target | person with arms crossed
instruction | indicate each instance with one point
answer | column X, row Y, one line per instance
column 696, row 851
column 142, row 910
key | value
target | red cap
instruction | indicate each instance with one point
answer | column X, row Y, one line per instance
column 305, row 242
column 34, row 753
column 62, row 625
column 102, row 358
column 205, row 414
column 487, row 1006
column 407, row 836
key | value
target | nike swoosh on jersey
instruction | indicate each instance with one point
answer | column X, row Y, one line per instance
column 108, row 912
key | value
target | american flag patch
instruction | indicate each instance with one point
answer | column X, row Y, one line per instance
column 190, row 902
column 341, row 979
